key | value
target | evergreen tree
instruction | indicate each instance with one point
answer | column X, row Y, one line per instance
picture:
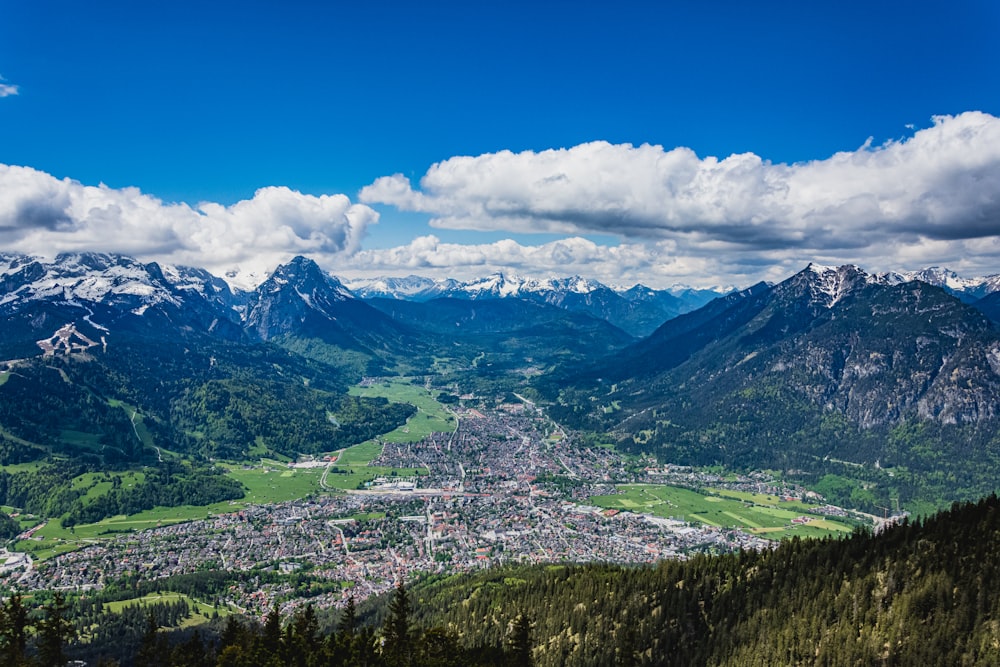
column 54, row 632
column 398, row 647
column 440, row 648
column 520, row 642
column 13, row 631
column 348, row 619
column 153, row 651
column 271, row 639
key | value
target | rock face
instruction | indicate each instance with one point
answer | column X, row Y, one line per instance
column 301, row 299
column 295, row 293
column 873, row 348
column 886, row 352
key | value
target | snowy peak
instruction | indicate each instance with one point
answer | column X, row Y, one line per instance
column 828, row 285
column 110, row 294
column 82, row 278
column 410, row 288
column 98, row 278
column 311, row 284
column 943, row 277
column 502, row 285
column 295, row 292
column 968, row 290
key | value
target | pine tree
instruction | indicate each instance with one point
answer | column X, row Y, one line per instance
column 54, row 631
column 520, row 642
column 271, row 639
column 398, row 647
column 13, row 631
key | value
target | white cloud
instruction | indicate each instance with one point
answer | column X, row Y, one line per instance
column 655, row 264
column 943, row 183
column 40, row 214
column 933, row 198
column 6, row 89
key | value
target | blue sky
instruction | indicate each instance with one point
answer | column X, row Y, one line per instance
column 273, row 113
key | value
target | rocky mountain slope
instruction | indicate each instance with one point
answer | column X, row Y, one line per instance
column 831, row 364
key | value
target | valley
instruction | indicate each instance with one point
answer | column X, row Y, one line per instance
column 297, row 448
column 508, row 486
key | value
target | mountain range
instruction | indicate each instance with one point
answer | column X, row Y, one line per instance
column 831, row 367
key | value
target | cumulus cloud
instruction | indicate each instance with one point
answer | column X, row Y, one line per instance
column 655, row 264
column 941, row 183
column 40, row 214
column 6, row 89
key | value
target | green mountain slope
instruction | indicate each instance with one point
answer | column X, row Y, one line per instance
column 830, row 370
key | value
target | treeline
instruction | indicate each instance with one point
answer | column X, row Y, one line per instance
column 46, row 491
column 298, row 641
column 114, row 636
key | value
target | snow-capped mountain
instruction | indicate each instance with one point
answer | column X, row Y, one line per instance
column 637, row 310
column 113, row 280
column 102, row 294
column 301, row 299
column 410, row 288
column 294, row 292
column 966, row 289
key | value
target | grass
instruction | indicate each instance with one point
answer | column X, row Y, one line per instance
column 273, row 482
column 31, row 466
column 359, row 455
column 267, row 482
column 430, row 417
column 770, row 517
column 200, row 611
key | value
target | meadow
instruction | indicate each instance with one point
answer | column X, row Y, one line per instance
column 430, row 417
column 200, row 611
column 767, row 516
column 266, row 481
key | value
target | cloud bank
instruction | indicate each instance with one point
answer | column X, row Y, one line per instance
column 935, row 194
column 929, row 198
column 40, row 214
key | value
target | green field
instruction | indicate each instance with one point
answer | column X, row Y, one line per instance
column 200, row 611
column 353, row 468
column 267, row 482
column 430, row 417
column 763, row 515
column 359, row 455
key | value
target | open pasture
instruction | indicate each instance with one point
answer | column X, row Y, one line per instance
column 768, row 520
column 430, row 417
